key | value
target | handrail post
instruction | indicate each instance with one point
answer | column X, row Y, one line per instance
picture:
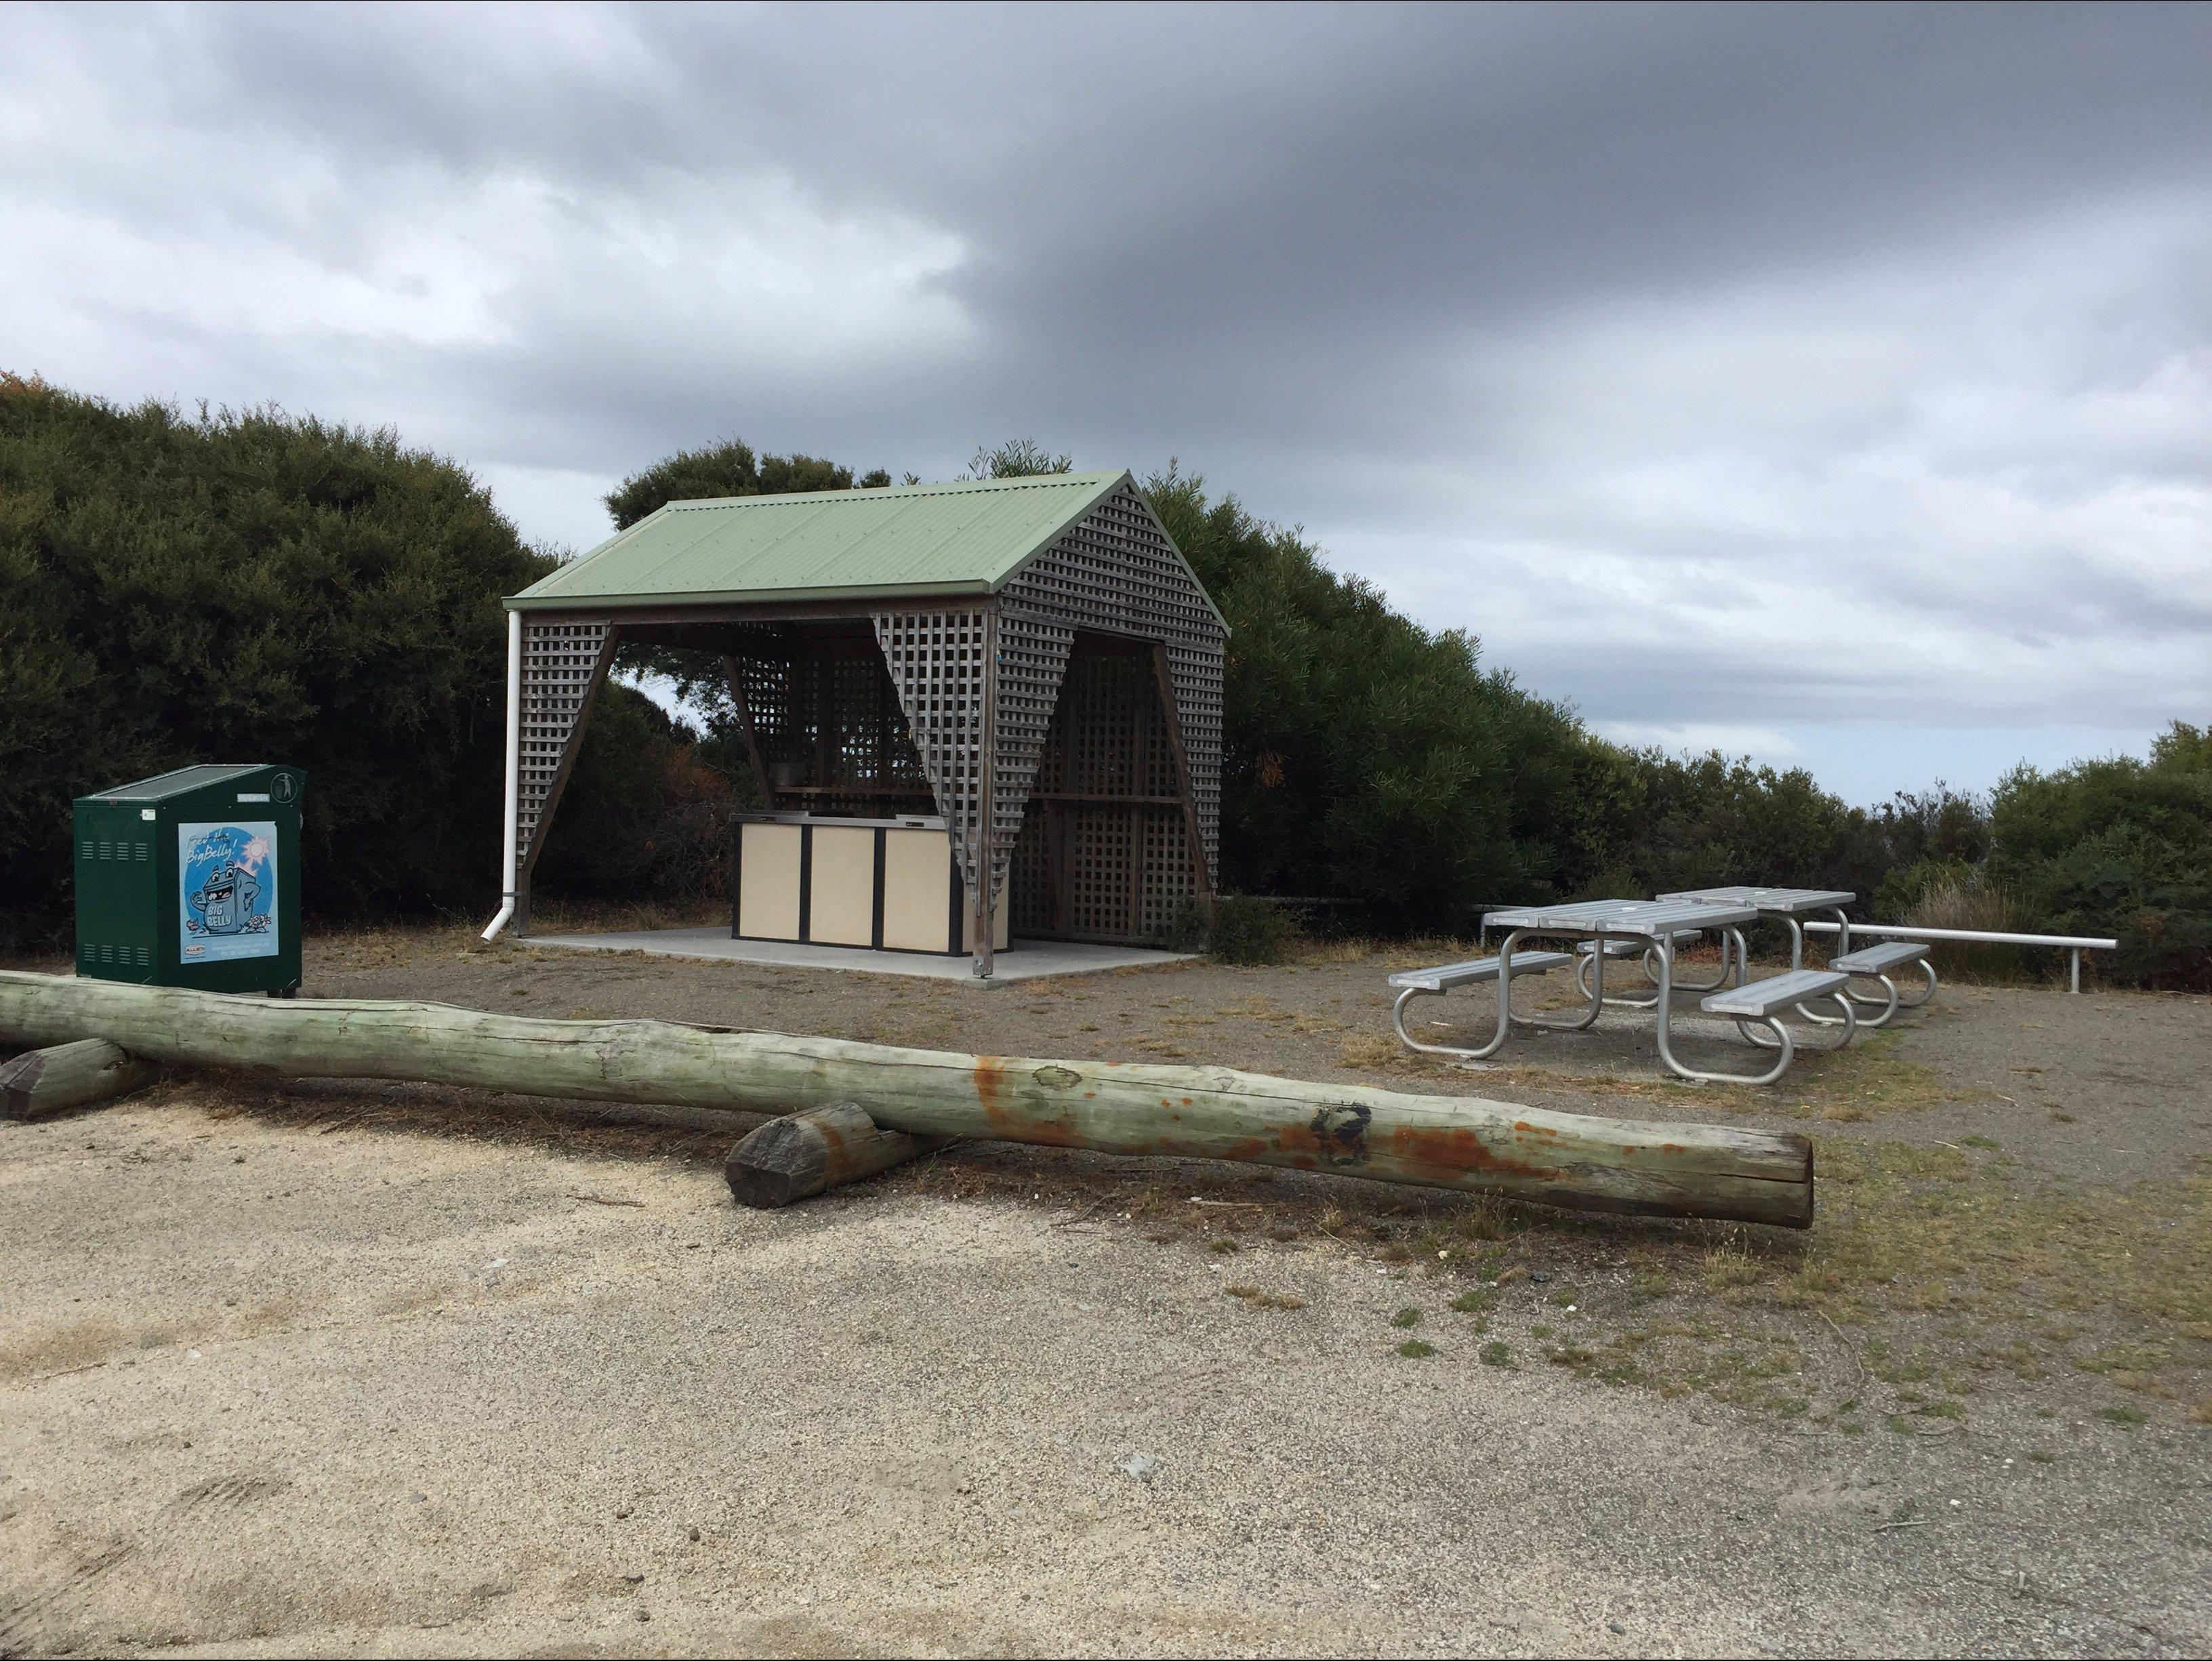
column 2076, row 955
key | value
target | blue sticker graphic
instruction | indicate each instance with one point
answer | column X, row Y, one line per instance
column 226, row 892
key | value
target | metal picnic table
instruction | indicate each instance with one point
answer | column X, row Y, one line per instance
column 1785, row 906
column 1655, row 921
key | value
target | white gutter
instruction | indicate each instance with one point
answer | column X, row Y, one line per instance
column 510, row 818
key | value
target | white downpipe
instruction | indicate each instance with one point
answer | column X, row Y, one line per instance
column 510, row 818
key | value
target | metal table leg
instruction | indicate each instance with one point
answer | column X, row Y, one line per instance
column 1596, row 992
column 1782, row 1040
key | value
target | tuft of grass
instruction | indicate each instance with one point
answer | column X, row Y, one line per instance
column 1224, row 1246
column 1475, row 1301
column 2130, row 1416
column 1409, row 1316
column 1413, row 1349
column 1496, row 1354
column 1255, row 1298
column 1989, row 1142
column 1964, row 902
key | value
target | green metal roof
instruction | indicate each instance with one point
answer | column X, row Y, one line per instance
column 965, row 539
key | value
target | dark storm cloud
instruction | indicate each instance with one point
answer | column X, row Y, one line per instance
column 1723, row 367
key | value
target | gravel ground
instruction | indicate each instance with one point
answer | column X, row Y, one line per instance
column 368, row 1369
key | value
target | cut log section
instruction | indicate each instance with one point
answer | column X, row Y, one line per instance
column 1204, row 1112
column 804, row 1155
column 68, row 1075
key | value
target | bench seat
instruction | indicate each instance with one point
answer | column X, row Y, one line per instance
column 1760, row 999
column 1874, row 960
column 1476, row 971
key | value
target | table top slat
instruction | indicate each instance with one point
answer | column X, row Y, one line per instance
column 1651, row 918
column 1785, row 901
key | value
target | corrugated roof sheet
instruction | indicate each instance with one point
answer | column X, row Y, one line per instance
column 175, row 784
column 916, row 539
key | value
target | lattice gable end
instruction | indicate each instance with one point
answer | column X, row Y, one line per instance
column 1117, row 569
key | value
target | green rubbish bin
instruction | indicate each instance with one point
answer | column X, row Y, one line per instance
column 192, row 879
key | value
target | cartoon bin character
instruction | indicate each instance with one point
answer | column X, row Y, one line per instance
column 225, row 901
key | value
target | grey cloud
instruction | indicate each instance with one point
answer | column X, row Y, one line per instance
column 1737, row 326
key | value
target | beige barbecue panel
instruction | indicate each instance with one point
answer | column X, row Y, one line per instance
column 842, row 878
column 917, row 891
column 768, row 882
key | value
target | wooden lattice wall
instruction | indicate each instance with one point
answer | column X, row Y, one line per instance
column 1116, row 569
column 562, row 664
column 1103, row 853
column 817, row 704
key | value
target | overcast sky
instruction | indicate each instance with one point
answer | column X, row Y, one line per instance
column 1831, row 385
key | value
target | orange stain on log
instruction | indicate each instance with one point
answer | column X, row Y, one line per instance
column 1458, row 1150
column 990, row 1076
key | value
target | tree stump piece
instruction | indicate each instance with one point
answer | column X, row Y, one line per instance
column 804, row 1155
column 69, row 1075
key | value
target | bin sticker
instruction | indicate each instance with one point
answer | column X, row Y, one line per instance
column 226, row 892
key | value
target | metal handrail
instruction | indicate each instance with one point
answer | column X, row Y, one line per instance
column 2075, row 944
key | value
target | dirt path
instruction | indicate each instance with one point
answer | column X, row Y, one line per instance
column 367, row 1369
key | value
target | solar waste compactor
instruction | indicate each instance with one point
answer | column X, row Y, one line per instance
column 192, row 879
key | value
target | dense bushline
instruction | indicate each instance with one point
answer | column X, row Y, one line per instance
column 240, row 587
column 177, row 588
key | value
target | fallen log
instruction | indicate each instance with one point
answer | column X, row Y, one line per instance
column 1204, row 1112
column 803, row 1154
column 67, row 1075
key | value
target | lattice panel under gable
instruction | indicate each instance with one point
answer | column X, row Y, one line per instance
column 823, row 711
column 1032, row 662
column 562, row 665
column 937, row 661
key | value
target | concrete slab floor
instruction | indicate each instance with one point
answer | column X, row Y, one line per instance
column 1024, row 960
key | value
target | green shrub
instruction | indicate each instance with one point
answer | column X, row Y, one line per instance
column 1250, row 930
column 1367, row 758
column 2118, row 846
column 644, row 817
column 250, row 587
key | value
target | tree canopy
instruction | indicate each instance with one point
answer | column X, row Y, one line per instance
column 252, row 587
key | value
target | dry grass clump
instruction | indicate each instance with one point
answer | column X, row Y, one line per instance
column 1254, row 1296
column 1968, row 902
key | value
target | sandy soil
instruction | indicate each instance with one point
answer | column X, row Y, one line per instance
column 368, row 1369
